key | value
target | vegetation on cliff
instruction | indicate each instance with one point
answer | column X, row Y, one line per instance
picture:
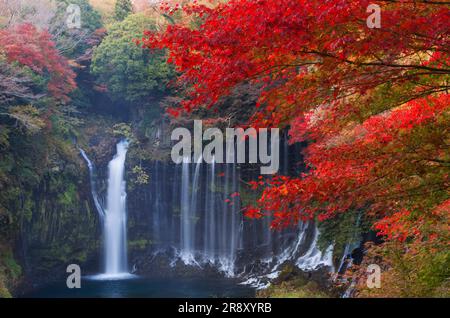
column 46, row 218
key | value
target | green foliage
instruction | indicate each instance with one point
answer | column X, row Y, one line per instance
column 4, row 137
column 63, row 227
column 139, row 244
column 122, row 9
column 247, row 195
column 68, row 198
column 131, row 73
column 420, row 270
column 431, row 276
column 28, row 117
column 140, row 177
column 4, row 292
column 346, row 228
column 72, row 42
column 123, row 130
column 10, row 263
column 293, row 284
column 41, row 190
column 288, row 290
column 10, row 271
column 27, row 206
column 65, row 122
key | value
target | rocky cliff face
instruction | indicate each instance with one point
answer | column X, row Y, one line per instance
column 62, row 227
column 58, row 223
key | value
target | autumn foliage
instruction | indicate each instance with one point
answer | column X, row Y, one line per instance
column 26, row 45
column 360, row 94
column 373, row 104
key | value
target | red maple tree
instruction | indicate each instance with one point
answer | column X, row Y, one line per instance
column 28, row 46
column 372, row 103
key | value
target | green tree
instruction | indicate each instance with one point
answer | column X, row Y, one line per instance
column 73, row 42
column 130, row 73
column 123, row 9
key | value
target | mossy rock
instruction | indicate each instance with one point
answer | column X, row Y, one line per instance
column 140, row 244
column 290, row 290
column 4, row 292
column 10, row 271
column 292, row 282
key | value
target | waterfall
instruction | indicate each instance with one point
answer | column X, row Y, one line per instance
column 234, row 233
column 230, row 229
column 286, row 154
column 210, row 220
column 157, row 206
column 196, row 219
column 94, row 193
column 115, row 222
column 186, row 222
column 113, row 217
column 212, row 225
column 195, row 192
column 175, row 189
column 314, row 258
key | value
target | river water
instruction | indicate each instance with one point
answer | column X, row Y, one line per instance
column 139, row 287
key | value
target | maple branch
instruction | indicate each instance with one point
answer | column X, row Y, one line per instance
column 422, row 1
column 422, row 67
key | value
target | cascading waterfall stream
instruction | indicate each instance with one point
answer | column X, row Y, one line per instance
column 94, row 193
column 210, row 220
column 186, row 239
column 314, row 257
column 213, row 231
column 115, row 223
column 114, row 216
column 209, row 227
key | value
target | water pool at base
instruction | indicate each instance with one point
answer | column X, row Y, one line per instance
column 139, row 287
